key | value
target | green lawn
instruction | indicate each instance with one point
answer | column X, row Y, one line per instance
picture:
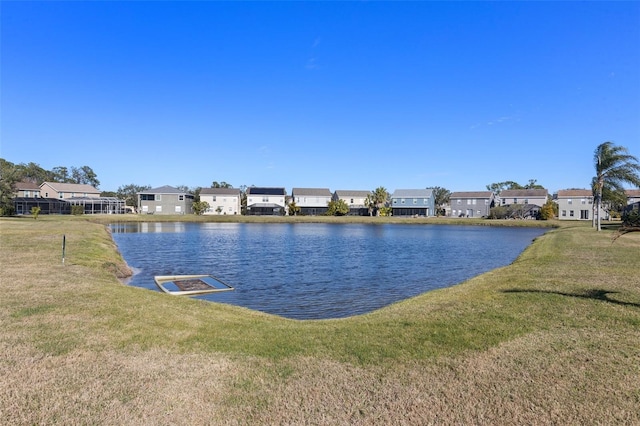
column 553, row 338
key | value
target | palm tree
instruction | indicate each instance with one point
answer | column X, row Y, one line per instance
column 614, row 167
column 380, row 198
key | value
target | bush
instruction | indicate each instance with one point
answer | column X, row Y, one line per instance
column 77, row 210
column 631, row 219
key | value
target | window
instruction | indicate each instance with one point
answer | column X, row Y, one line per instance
column 159, row 209
column 583, row 201
column 564, row 213
column 181, row 197
column 584, row 214
column 459, row 202
column 473, row 202
column 61, row 195
column 569, row 201
column 402, row 200
column 265, row 199
column 27, row 194
column 468, row 202
column 515, row 201
column 526, row 201
column 213, row 198
column 571, row 213
column 415, row 201
column 147, row 197
column 352, row 201
column 486, row 202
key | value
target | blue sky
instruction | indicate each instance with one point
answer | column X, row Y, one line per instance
column 339, row 95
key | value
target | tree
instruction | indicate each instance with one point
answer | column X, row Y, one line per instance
column 337, row 208
column 84, row 175
column 294, row 209
column 9, row 176
column 222, row 184
column 60, row 174
column 441, row 198
column 379, row 198
column 199, row 207
column 548, row 210
column 498, row 187
column 129, row 193
column 614, row 167
column 35, row 211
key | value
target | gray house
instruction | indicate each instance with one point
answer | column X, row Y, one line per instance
column 354, row 199
column 576, row 204
column 471, row 204
column 537, row 197
column 165, row 200
column 312, row 201
column 413, row 202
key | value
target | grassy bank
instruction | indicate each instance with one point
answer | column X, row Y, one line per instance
column 552, row 338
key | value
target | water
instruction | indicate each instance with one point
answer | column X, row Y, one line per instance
column 315, row 271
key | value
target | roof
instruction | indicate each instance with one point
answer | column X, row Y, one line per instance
column 471, row 194
column 509, row 193
column 220, row 191
column 412, row 193
column 164, row 190
column 632, row 193
column 255, row 190
column 313, row 192
column 71, row 187
column 26, row 186
column 352, row 193
column 575, row 193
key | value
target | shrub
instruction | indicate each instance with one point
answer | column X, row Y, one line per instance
column 631, row 219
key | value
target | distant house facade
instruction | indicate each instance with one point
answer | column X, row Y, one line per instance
column 222, row 201
column 471, row 203
column 263, row 201
column 311, row 201
column 536, row 197
column 26, row 190
column 165, row 200
column 67, row 190
column 356, row 200
column 61, row 198
column 412, row 202
column 633, row 196
column 575, row 204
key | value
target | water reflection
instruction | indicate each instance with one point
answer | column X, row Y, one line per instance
column 318, row 270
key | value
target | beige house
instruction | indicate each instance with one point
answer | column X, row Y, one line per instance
column 633, row 196
column 26, row 190
column 355, row 199
column 222, row 201
column 67, row 190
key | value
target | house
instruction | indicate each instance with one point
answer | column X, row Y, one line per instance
column 413, row 202
column 222, row 201
column 67, row 190
column 311, row 201
column 633, row 196
column 265, row 201
column 26, row 189
column 471, row 203
column 356, row 200
column 536, row 197
column 165, row 200
column 576, row 204
column 60, row 198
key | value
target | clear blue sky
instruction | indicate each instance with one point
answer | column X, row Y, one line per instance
column 339, row 95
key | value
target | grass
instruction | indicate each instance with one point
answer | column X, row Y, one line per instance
column 552, row 338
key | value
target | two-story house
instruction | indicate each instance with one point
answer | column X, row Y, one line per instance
column 67, row 190
column 165, row 200
column 471, row 203
column 311, row 201
column 356, row 200
column 576, row 204
column 413, row 202
column 531, row 200
column 222, row 201
column 265, row 201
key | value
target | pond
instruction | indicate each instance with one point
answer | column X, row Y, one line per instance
column 318, row 271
